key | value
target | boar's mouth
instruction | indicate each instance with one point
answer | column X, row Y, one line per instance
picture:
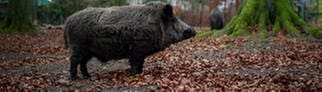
column 185, row 35
column 189, row 33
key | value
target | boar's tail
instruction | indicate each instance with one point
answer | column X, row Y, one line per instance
column 66, row 38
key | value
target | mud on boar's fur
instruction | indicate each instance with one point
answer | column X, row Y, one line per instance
column 132, row 32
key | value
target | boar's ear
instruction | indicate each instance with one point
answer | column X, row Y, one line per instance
column 168, row 11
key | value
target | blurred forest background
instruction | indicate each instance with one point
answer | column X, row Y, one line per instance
column 194, row 12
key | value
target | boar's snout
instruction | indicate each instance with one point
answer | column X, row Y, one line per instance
column 188, row 33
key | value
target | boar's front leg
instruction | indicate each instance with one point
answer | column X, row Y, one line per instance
column 136, row 62
column 79, row 56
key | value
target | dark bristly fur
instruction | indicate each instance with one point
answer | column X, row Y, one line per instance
column 132, row 32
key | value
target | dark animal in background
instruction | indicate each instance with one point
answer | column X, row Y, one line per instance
column 132, row 32
column 217, row 20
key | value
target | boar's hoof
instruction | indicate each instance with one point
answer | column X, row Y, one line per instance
column 84, row 71
column 135, row 71
column 136, row 62
column 74, row 77
column 86, row 76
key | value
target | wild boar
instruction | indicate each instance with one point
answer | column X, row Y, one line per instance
column 217, row 20
column 132, row 32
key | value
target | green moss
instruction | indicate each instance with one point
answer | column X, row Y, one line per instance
column 206, row 34
column 291, row 30
column 262, row 25
column 10, row 26
column 23, row 28
column 263, row 33
column 317, row 33
column 241, row 32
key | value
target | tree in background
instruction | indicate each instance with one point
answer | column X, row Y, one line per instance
column 108, row 3
column 268, row 18
column 58, row 10
column 146, row 1
column 198, row 6
column 19, row 18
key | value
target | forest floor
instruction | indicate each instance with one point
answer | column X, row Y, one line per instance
column 215, row 64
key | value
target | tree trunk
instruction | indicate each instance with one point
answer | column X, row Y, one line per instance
column 19, row 17
column 266, row 18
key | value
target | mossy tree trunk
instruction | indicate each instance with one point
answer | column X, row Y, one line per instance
column 19, row 17
column 266, row 18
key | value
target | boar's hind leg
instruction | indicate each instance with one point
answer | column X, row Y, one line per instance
column 83, row 67
column 136, row 63
column 78, row 57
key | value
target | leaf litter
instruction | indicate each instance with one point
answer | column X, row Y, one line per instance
column 215, row 64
